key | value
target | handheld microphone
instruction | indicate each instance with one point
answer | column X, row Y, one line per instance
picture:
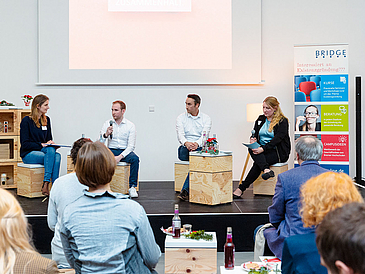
column 252, row 133
column 111, row 124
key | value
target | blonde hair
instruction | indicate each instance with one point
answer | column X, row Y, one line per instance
column 278, row 114
column 38, row 101
column 14, row 236
column 324, row 193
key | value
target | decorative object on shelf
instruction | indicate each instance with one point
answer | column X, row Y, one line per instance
column 211, row 146
column 4, row 103
column 27, row 99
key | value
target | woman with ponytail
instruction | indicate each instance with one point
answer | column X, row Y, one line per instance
column 271, row 133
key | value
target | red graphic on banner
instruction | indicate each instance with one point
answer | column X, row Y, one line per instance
column 335, row 147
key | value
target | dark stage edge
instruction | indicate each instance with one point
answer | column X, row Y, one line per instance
column 158, row 199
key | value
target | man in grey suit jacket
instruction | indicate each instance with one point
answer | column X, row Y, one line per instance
column 284, row 211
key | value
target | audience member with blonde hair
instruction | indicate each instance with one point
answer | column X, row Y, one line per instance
column 319, row 196
column 16, row 253
column 102, row 231
column 271, row 132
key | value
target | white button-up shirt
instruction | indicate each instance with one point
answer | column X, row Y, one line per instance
column 190, row 128
column 124, row 136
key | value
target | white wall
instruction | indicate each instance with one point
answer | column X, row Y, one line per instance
column 78, row 110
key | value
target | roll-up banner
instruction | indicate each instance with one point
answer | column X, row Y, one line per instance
column 321, row 100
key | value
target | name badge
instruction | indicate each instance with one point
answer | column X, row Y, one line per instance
column 44, row 127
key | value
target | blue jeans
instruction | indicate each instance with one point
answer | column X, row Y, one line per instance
column 133, row 159
column 47, row 157
column 183, row 154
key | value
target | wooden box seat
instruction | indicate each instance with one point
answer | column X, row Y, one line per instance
column 267, row 187
column 30, row 180
column 181, row 171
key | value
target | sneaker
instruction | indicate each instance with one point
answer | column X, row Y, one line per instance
column 133, row 192
column 184, row 195
column 268, row 175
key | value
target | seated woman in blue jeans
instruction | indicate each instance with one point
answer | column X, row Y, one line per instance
column 35, row 136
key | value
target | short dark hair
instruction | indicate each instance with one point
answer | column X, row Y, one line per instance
column 341, row 237
column 75, row 148
column 95, row 165
column 195, row 97
column 121, row 103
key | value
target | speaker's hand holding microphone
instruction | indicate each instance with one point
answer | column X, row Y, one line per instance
column 109, row 130
column 252, row 137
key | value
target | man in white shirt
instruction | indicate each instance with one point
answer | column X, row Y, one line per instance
column 190, row 128
column 121, row 136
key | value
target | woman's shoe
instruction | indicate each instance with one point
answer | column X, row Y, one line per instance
column 45, row 188
column 268, row 175
column 236, row 196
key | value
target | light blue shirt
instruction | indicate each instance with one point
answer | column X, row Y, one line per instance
column 65, row 190
column 265, row 135
column 108, row 233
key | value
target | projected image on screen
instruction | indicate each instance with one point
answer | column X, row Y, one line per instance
column 101, row 39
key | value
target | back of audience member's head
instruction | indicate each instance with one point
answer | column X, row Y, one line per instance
column 324, row 193
column 341, row 239
column 95, row 165
column 309, row 148
column 14, row 234
column 76, row 147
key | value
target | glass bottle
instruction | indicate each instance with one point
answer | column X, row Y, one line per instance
column 176, row 223
column 204, row 140
column 229, row 251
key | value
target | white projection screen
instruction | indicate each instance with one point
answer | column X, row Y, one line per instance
column 88, row 42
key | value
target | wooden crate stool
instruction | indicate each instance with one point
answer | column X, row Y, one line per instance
column 120, row 180
column 181, row 171
column 210, row 178
column 190, row 256
column 30, row 180
column 267, row 187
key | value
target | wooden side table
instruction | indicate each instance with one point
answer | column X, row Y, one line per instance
column 190, row 256
column 210, row 178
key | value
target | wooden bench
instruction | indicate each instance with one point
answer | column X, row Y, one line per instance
column 267, row 187
column 181, row 171
column 30, row 180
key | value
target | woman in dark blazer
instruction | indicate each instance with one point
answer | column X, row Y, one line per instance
column 271, row 133
column 35, row 138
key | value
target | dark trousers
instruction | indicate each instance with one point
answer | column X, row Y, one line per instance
column 261, row 162
column 132, row 159
column 183, row 155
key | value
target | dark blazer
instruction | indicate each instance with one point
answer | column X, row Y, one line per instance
column 284, row 211
column 32, row 136
column 300, row 255
column 33, row 263
column 281, row 140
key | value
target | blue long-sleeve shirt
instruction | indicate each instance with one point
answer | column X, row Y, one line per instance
column 108, row 233
column 32, row 137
